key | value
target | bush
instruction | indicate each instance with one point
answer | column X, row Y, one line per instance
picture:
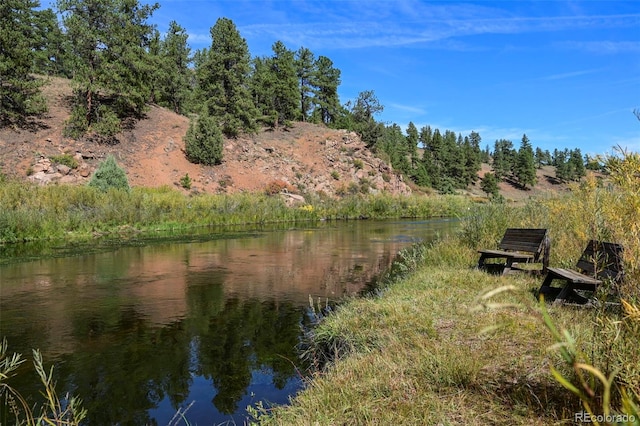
column 109, row 175
column 185, row 181
column 65, row 159
column 204, row 142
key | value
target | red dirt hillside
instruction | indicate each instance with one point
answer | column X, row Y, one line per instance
column 304, row 158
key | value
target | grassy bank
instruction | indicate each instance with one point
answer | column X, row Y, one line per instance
column 449, row 344
column 29, row 212
column 421, row 353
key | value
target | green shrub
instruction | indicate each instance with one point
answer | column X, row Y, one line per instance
column 185, row 181
column 109, row 175
column 65, row 159
column 358, row 164
column 204, row 142
column 335, row 175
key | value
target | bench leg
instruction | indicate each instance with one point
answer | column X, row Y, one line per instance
column 508, row 265
column 545, row 288
column 481, row 261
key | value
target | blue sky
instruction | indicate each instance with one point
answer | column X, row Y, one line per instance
column 566, row 73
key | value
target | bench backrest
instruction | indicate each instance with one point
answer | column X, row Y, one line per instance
column 525, row 240
column 602, row 260
column 528, row 240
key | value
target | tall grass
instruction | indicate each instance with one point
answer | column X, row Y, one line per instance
column 30, row 212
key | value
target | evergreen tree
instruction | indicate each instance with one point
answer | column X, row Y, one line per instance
column 575, row 165
column 426, row 162
column 412, row 143
column 363, row 111
column 473, row 157
column 285, row 84
column 108, row 42
column 174, row 76
column 485, row 155
column 19, row 91
column 489, row 184
column 562, row 170
column 539, row 158
column 224, row 79
column 109, row 175
column 525, row 169
column 51, row 51
column 502, row 158
column 305, row 69
column 204, row 142
column 326, row 80
column 393, row 143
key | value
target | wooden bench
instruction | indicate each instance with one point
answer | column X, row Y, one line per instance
column 519, row 245
column 599, row 261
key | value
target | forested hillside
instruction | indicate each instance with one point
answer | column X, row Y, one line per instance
column 120, row 65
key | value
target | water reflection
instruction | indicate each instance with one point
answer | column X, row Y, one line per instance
column 140, row 331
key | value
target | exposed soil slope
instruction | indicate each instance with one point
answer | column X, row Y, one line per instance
column 305, row 157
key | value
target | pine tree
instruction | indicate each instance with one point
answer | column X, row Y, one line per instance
column 562, row 168
column 108, row 41
column 412, row 143
column 393, row 143
column 285, row 84
column 489, row 184
column 363, row 112
column 51, row 52
column 472, row 155
column 576, row 165
column 305, row 69
column 173, row 74
column 525, row 168
column 224, row 79
column 19, row 91
column 502, row 158
column 109, row 175
column 204, row 142
column 326, row 80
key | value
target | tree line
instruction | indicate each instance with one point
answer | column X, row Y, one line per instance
column 119, row 63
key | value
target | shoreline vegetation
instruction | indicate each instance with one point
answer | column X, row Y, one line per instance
column 56, row 212
column 441, row 342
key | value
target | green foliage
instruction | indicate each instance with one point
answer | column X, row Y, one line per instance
column 489, row 184
column 108, row 42
column 173, row 76
column 14, row 406
column 185, row 181
column 274, row 86
column 204, row 142
column 223, row 79
column 305, row 69
column 503, row 158
column 335, row 174
column 65, row 159
column 109, row 176
column 525, row 167
column 326, row 79
column 19, row 91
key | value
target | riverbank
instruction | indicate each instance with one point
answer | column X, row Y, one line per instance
column 449, row 344
column 33, row 213
column 429, row 351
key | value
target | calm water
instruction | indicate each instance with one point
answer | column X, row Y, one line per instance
column 141, row 330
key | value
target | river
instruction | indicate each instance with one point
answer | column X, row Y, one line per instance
column 212, row 320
